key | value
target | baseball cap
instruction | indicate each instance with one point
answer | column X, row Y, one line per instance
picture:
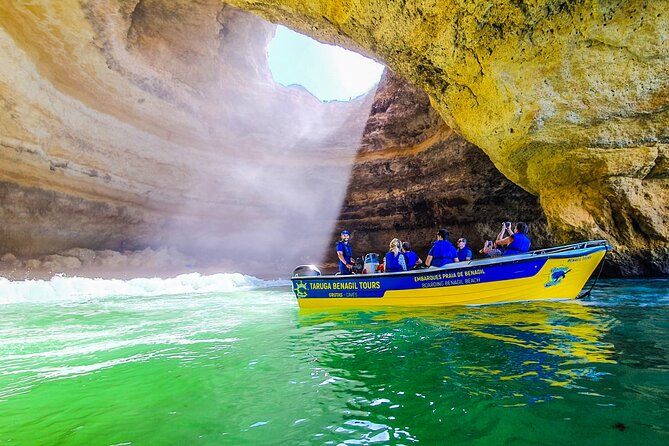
column 345, row 232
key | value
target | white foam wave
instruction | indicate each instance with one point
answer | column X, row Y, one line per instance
column 75, row 288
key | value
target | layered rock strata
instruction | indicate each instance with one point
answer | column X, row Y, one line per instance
column 414, row 175
column 157, row 124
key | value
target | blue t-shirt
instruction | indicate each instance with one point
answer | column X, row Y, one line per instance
column 464, row 253
column 442, row 252
column 519, row 245
column 347, row 251
column 394, row 263
column 411, row 258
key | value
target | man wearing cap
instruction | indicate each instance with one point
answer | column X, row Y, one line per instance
column 345, row 254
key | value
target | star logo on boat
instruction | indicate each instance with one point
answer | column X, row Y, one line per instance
column 557, row 274
column 300, row 289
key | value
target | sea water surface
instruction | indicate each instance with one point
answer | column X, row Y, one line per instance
column 229, row 359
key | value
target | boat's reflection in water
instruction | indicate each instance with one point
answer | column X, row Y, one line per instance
column 514, row 354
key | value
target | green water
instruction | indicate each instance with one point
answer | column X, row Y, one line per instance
column 246, row 367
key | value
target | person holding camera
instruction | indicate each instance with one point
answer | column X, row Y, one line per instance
column 490, row 250
column 516, row 242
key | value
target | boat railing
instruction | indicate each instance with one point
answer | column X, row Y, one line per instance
column 532, row 254
column 572, row 247
column 491, row 261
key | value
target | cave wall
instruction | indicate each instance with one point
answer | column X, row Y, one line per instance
column 570, row 100
column 157, row 124
column 130, row 124
column 414, row 175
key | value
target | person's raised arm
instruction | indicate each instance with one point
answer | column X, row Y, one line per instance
column 501, row 239
column 500, row 236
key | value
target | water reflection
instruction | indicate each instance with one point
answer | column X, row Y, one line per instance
column 568, row 330
column 397, row 366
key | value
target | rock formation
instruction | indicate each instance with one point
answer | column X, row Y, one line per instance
column 570, row 100
column 158, row 125
column 130, row 124
column 414, row 175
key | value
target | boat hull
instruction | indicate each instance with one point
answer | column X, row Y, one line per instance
column 534, row 276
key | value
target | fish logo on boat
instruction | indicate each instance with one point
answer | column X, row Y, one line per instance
column 300, row 289
column 557, row 274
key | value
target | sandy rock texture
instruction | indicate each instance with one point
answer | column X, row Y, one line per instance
column 154, row 124
column 570, row 100
column 102, row 263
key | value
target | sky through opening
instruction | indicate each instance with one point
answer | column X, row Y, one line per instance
column 328, row 72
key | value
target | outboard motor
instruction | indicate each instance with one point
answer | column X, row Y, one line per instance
column 306, row 271
column 358, row 266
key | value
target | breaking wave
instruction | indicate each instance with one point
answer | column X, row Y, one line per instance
column 61, row 288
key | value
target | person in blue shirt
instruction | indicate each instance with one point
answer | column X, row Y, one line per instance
column 517, row 241
column 395, row 260
column 411, row 257
column 345, row 254
column 464, row 252
column 442, row 251
column 490, row 250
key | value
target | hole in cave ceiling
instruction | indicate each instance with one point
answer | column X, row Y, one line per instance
column 329, row 72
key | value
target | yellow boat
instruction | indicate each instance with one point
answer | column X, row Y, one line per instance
column 554, row 273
